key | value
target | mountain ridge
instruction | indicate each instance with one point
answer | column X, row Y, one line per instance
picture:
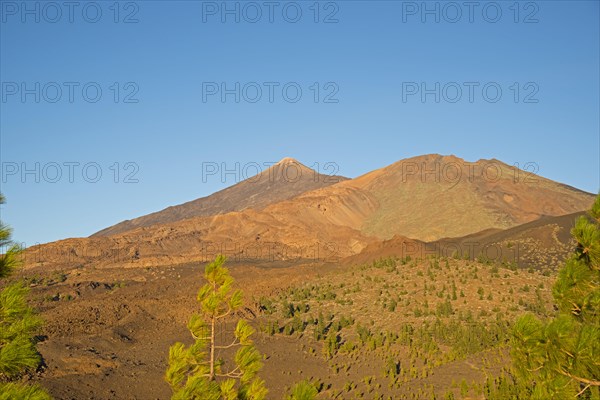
column 425, row 198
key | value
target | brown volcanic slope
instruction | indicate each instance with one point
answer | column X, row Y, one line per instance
column 432, row 196
column 424, row 198
column 541, row 244
column 284, row 180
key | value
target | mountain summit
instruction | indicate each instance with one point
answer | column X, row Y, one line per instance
column 280, row 181
column 434, row 196
column 288, row 160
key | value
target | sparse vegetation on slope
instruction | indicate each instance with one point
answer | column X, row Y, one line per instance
column 406, row 328
column 409, row 327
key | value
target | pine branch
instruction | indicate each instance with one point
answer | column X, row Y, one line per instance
column 567, row 353
column 224, row 314
column 234, row 343
column 575, row 310
column 232, row 374
column 535, row 369
column 200, row 338
column 578, row 378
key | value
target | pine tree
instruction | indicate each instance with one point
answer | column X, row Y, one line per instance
column 18, row 323
column 392, row 368
column 561, row 356
column 303, row 390
column 194, row 372
column 8, row 260
column 331, row 345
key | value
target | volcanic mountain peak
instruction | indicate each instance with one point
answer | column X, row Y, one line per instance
column 281, row 181
column 431, row 196
column 288, row 160
column 288, row 169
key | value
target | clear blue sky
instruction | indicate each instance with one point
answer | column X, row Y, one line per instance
column 368, row 56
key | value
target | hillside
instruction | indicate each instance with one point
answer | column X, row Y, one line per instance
column 431, row 197
column 416, row 198
column 326, row 303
